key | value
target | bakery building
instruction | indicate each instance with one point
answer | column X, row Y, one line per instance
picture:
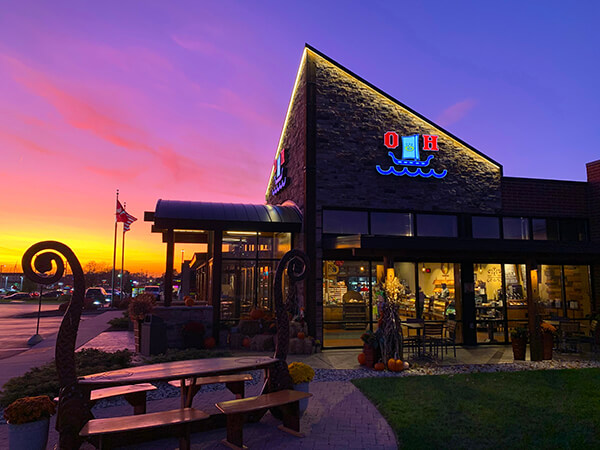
column 376, row 193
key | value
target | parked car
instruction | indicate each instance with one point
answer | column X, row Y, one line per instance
column 153, row 290
column 18, row 296
column 55, row 293
column 97, row 294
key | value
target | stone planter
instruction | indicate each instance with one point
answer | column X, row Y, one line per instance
column 519, row 346
column 548, row 343
column 29, row 436
column 302, row 387
column 137, row 333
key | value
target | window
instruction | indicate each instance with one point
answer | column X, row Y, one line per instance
column 239, row 245
column 391, row 224
column 345, row 222
column 486, row 227
column 573, row 230
column 545, row 229
column 516, row 228
column 437, row 225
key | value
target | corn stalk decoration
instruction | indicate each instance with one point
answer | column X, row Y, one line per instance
column 390, row 321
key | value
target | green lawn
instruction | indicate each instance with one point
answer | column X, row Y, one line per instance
column 531, row 409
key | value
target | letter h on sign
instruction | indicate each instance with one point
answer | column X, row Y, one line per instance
column 430, row 143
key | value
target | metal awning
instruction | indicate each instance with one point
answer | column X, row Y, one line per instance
column 185, row 215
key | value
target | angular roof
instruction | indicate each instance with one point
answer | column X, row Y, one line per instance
column 187, row 215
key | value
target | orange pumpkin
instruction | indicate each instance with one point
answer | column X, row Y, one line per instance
column 246, row 342
column 257, row 314
column 210, row 342
column 392, row 365
column 399, row 365
column 301, row 335
column 362, row 359
column 379, row 366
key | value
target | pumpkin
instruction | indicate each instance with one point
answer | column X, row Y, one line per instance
column 362, row 359
column 210, row 342
column 405, row 365
column 379, row 366
column 301, row 335
column 246, row 342
column 392, row 365
column 399, row 365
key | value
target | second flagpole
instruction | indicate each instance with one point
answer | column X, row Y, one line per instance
column 122, row 258
column 112, row 287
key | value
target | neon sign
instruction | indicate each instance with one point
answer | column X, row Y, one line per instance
column 280, row 178
column 411, row 155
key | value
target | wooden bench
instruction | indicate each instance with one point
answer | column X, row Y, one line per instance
column 117, row 431
column 236, row 411
column 235, row 383
column 135, row 394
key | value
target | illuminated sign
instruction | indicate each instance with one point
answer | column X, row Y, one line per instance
column 411, row 158
column 279, row 178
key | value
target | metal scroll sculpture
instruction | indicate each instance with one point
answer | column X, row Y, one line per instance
column 296, row 263
column 43, row 264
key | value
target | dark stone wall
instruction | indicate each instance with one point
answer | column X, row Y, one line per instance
column 553, row 198
column 294, row 140
column 352, row 119
column 593, row 177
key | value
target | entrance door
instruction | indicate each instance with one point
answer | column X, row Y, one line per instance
column 490, row 304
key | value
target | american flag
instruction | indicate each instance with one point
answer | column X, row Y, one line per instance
column 124, row 216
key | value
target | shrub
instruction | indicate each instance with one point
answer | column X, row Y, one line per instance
column 141, row 305
column 29, row 409
column 119, row 323
column 43, row 380
column 183, row 355
column 122, row 303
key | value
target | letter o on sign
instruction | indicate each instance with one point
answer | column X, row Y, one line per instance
column 390, row 139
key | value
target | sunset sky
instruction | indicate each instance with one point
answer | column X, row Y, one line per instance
column 185, row 100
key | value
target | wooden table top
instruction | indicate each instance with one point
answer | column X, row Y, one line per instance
column 176, row 370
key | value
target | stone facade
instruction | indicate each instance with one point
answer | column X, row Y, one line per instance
column 352, row 119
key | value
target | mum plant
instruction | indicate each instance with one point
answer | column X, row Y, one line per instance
column 29, row 409
column 519, row 333
column 546, row 327
column 301, row 373
column 141, row 305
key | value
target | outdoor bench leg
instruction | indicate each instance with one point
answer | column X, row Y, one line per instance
column 236, row 387
column 291, row 419
column 184, row 441
column 235, row 436
column 138, row 401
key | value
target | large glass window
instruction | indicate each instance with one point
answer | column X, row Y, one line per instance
column 489, row 303
column 346, row 302
column 516, row 227
column 239, row 245
column 550, row 291
column 438, row 286
column 486, row 227
column 516, row 294
column 577, row 292
column 437, row 225
column 400, row 282
column 391, row 224
column 237, row 288
column 345, row 222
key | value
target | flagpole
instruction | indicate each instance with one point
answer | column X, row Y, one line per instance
column 112, row 287
column 123, row 254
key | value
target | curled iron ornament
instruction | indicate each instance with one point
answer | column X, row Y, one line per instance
column 36, row 265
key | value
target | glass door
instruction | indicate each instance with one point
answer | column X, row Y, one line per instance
column 490, row 303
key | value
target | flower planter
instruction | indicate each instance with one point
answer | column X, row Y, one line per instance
column 302, row 387
column 29, row 436
column 519, row 347
column 548, row 343
column 371, row 355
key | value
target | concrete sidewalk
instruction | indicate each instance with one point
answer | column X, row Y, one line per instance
column 42, row 353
